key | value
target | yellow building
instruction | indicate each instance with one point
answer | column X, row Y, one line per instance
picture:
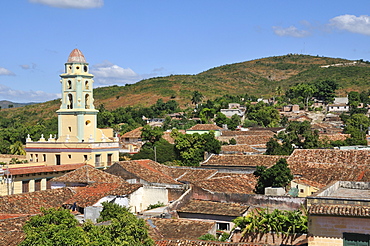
column 79, row 140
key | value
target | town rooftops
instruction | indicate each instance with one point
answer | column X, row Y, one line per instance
column 43, row 169
column 87, row 175
column 229, row 184
column 147, row 170
column 178, row 228
column 205, row 127
column 136, row 133
column 242, row 160
column 342, row 198
column 214, row 208
column 241, row 133
column 88, row 196
column 30, row 203
column 188, row 174
column 238, row 148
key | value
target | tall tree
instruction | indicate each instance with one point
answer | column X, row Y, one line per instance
column 278, row 175
column 197, row 97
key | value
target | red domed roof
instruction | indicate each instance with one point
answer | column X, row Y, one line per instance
column 76, row 56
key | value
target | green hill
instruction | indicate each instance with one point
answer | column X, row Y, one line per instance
column 258, row 77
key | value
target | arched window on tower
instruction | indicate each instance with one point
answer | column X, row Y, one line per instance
column 70, row 102
column 86, row 85
column 69, row 85
column 87, row 101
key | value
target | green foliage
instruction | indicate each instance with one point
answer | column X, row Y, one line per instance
column 232, row 141
column 151, row 134
column 17, row 148
column 190, row 148
column 54, row 227
column 208, row 237
column 165, row 152
column 157, row 205
column 278, row 175
column 59, row 227
column 278, row 221
column 196, row 98
column 263, row 114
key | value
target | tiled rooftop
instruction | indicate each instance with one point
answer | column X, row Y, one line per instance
column 136, row 133
column 230, row 184
column 168, row 138
column 87, row 174
column 241, row 133
column 88, row 196
column 188, row 174
column 11, row 233
column 42, row 169
column 333, row 156
column 147, row 170
column 242, row 160
column 178, row 228
column 340, row 210
column 341, row 198
column 30, row 203
column 324, row 166
column 214, row 208
column 239, row 148
column 253, row 139
column 205, row 127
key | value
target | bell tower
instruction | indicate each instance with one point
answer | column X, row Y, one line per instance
column 77, row 114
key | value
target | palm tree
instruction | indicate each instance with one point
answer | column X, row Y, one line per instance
column 17, row 148
column 196, row 98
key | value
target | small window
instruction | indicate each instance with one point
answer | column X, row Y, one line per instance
column 223, row 226
column 70, row 129
column 70, row 156
column 85, row 69
column 301, row 190
column 85, row 157
column 69, row 84
column 86, row 85
column 44, row 157
column 77, row 68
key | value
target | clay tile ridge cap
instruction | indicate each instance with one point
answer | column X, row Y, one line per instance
column 76, row 56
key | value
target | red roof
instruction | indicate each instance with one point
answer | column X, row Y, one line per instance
column 44, row 169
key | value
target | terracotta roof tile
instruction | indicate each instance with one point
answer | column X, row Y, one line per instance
column 11, row 232
column 136, row 133
column 147, row 170
column 242, row 160
column 253, row 139
column 230, row 184
column 239, row 148
column 326, row 165
column 243, row 133
column 88, row 196
column 30, row 203
column 340, row 210
column 42, row 169
column 188, row 174
column 205, row 127
column 178, row 228
column 87, row 174
column 214, row 208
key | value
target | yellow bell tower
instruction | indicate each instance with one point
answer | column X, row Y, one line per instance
column 79, row 140
column 77, row 115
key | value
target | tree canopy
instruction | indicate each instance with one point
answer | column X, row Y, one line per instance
column 59, row 227
column 278, row 175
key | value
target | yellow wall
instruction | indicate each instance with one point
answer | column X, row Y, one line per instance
column 304, row 190
column 328, row 230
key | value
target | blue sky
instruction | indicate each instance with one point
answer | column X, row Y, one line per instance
column 125, row 41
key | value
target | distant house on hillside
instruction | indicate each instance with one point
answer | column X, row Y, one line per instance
column 205, row 128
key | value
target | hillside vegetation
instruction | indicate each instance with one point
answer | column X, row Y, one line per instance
column 259, row 77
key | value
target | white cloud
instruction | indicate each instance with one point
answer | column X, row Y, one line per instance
column 26, row 66
column 4, row 71
column 7, row 93
column 291, row 31
column 352, row 23
column 71, row 4
column 108, row 73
